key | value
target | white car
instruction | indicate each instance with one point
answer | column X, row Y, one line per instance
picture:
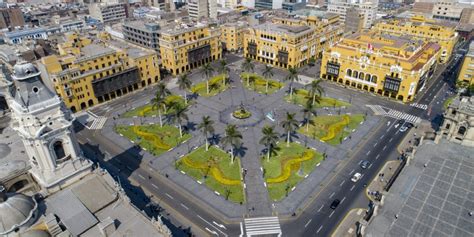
column 356, row 177
column 403, row 129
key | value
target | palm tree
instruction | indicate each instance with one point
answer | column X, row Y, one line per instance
column 292, row 77
column 315, row 90
column 308, row 110
column 267, row 73
column 232, row 138
column 269, row 139
column 206, row 128
column 163, row 92
column 156, row 103
column 207, row 70
column 223, row 69
column 290, row 124
column 248, row 67
column 184, row 84
column 179, row 114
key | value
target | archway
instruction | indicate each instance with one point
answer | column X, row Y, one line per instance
column 73, row 109
column 462, row 130
column 349, row 72
column 18, row 186
column 83, row 106
column 400, row 97
column 91, row 103
column 58, row 149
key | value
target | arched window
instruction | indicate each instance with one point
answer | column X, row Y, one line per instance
column 367, row 77
column 355, row 74
column 349, row 72
column 374, row 79
column 58, row 149
column 462, row 130
column 361, row 75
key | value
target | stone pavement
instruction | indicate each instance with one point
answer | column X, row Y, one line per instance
column 432, row 196
column 258, row 203
column 347, row 227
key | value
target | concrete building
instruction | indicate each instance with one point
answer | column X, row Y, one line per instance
column 184, row 47
column 46, row 182
column 387, row 65
column 354, row 20
column 466, row 74
column 106, row 13
column 425, row 29
column 291, row 42
column 232, row 35
column 293, row 5
column 198, row 9
column 145, row 34
column 268, row 4
column 19, row 36
column 368, row 8
column 11, row 17
column 86, row 73
column 458, row 124
column 449, row 10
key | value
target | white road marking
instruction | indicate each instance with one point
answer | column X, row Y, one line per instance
column 307, row 223
column 211, row 231
column 187, row 208
column 382, row 136
column 390, row 139
column 320, row 208
column 219, row 225
column 332, row 213
column 369, row 166
column 377, row 157
column 368, row 152
column 141, row 176
column 320, row 228
column 169, row 196
column 343, row 181
column 385, row 147
column 344, row 198
column 241, row 230
column 375, row 144
column 332, row 195
column 353, row 186
column 352, row 171
column 154, row 185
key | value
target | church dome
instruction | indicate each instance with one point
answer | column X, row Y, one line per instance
column 17, row 211
column 23, row 70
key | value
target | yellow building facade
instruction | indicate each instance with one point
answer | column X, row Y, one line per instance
column 86, row 73
column 184, row 48
column 466, row 74
column 391, row 66
column 232, row 36
column 291, row 42
column 419, row 27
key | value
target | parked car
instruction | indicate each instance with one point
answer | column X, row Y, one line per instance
column 356, row 177
column 403, row 129
column 364, row 164
column 335, row 203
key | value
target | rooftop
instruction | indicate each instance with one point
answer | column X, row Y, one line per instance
column 94, row 50
column 283, row 29
column 132, row 50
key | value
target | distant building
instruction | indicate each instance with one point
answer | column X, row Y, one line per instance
column 232, row 35
column 458, row 124
column 466, row 74
column 387, row 65
column 11, row 17
column 368, row 8
column 293, row 5
column 354, row 20
column 145, row 34
column 420, row 27
column 106, row 13
column 451, row 10
column 198, row 9
column 18, row 36
column 268, row 4
column 86, row 73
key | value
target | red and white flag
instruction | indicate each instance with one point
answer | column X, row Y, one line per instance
column 370, row 47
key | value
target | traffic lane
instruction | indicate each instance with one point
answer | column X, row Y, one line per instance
column 386, row 145
column 155, row 186
column 342, row 179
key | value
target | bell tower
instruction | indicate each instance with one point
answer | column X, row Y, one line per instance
column 45, row 127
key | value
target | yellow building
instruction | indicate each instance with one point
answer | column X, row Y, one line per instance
column 232, row 36
column 184, row 48
column 392, row 66
column 86, row 73
column 419, row 27
column 466, row 74
column 291, row 42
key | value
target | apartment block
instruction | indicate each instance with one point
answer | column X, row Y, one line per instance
column 387, row 65
column 367, row 8
column 466, row 74
column 419, row 27
column 184, row 47
column 106, row 12
column 232, row 35
column 145, row 34
column 91, row 71
column 198, row 9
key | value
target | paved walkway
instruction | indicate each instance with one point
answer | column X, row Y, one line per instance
column 376, row 187
column 258, row 203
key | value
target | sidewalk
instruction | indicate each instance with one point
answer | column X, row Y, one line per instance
column 347, row 227
column 375, row 189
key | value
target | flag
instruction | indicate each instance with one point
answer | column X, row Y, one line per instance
column 370, row 47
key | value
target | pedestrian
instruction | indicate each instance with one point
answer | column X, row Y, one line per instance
column 396, row 216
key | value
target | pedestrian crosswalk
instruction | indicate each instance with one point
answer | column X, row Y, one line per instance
column 98, row 123
column 262, row 226
column 380, row 110
column 419, row 106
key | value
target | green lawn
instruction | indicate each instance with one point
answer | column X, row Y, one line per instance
column 284, row 170
column 216, row 86
column 258, row 83
column 148, row 111
column 332, row 128
column 214, row 168
column 300, row 97
column 153, row 138
column 447, row 102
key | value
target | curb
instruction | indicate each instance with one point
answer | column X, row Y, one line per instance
column 344, row 219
